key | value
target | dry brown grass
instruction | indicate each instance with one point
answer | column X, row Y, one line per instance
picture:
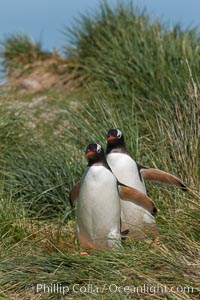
column 54, row 72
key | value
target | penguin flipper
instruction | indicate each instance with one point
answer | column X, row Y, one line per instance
column 130, row 194
column 151, row 174
column 74, row 193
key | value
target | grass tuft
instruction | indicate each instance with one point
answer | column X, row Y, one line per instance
column 19, row 50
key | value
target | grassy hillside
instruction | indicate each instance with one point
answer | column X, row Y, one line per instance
column 121, row 70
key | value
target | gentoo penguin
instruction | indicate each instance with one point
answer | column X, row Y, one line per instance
column 137, row 219
column 98, row 205
column 116, row 144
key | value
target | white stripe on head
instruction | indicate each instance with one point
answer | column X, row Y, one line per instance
column 98, row 148
column 119, row 133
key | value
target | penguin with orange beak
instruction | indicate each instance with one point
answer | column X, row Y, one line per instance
column 98, row 211
column 136, row 219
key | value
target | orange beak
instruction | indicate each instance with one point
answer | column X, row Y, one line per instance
column 90, row 153
column 110, row 138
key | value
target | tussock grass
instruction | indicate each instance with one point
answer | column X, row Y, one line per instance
column 19, row 50
column 145, row 81
column 136, row 265
column 143, row 78
column 36, row 173
column 13, row 223
column 27, row 66
column 121, row 47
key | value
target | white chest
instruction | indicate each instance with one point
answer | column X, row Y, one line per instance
column 139, row 221
column 126, row 171
column 98, row 209
column 98, row 185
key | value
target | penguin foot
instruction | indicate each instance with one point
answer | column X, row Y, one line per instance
column 157, row 242
column 85, row 253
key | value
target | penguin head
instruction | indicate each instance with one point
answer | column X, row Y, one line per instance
column 94, row 153
column 115, row 137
